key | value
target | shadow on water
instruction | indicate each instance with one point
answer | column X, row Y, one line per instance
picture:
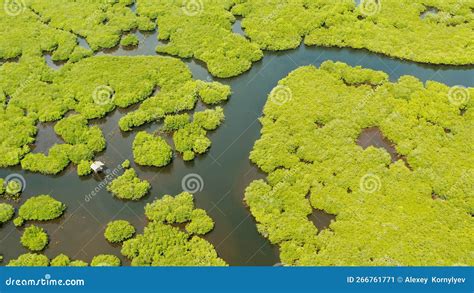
column 321, row 219
column 225, row 170
column 9, row 60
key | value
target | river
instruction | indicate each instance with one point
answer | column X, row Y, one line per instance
column 226, row 170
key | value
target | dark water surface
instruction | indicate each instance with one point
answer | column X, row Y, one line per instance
column 225, row 169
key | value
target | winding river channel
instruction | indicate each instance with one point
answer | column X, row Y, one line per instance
column 225, row 170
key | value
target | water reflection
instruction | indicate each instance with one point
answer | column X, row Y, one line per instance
column 237, row 27
column 148, row 41
column 429, row 11
column 133, row 7
column 374, row 137
column 45, row 138
column 83, row 43
column 53, row 64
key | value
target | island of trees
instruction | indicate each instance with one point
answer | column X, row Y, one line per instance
column 164, row 243
column 92, row 88
column 435, row 31
column 414, row 211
